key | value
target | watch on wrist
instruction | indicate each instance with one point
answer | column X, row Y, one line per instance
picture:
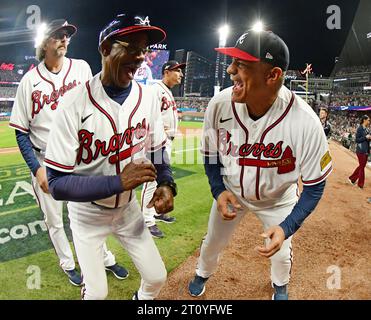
column 170, row 184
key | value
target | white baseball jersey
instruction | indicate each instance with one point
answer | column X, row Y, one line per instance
column 264, row 159
column 38, row 97
column 94, row 135
column 143, row 73
column 168, row 108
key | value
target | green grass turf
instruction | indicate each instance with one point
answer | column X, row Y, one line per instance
column 7, row 135
column 20, row 257
column 190, row 124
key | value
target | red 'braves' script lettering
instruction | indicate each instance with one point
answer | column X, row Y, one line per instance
column 39, row 100
column 95, row 147
column 227, row 147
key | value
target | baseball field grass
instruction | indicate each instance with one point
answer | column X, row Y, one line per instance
column 29, row 267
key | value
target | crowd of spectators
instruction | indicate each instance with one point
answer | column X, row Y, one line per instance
column 10, row 76
column 346, row 99
column 195, row 103
column 344, row 126
column 354, row 69
column 8, row 92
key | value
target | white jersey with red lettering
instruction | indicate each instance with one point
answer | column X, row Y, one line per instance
column 168, row 108
column 39, row 94
column 96, row 136
column 264, row 159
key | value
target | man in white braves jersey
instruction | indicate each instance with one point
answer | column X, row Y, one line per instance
column 258, row 140
column 96, row 157
column 38, row 97
column 171, row 75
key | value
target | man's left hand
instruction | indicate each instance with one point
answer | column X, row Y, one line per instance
column 162, row 200
column 277, row 236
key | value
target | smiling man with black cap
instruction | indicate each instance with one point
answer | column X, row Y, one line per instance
column 97, row 157
column 259, row 139
column 172, row 75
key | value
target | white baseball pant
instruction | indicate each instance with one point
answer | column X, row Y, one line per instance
column 220, row 231
column 91, row 224
column 148, row 190
column 53, row 216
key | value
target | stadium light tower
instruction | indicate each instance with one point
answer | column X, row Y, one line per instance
column 258, row 26
column 223, row 35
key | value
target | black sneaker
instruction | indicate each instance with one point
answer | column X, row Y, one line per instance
column 156, row 232
column 196, row 287
column 165, row 218
column 118, row 271
column 74, row 277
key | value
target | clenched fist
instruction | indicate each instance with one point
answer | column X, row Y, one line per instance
column 136, row 173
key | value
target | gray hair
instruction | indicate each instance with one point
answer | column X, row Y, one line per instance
column 40, row 51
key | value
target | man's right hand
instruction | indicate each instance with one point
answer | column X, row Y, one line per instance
column 136, row 173
column 42, row 179
column 228, row 205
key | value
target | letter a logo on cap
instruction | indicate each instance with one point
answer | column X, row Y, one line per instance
column 268, row 56
column 242, row 38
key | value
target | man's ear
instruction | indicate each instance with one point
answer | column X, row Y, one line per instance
column 274, row 74
column 106, row 48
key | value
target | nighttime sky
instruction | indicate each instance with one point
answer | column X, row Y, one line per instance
column 192, row 25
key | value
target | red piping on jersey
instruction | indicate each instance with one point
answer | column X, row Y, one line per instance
column 18, row 127
column 247, row 138
column 100, row 108
column 64, row 79
column 113, row 125
column 59, row 165
column 42, row 77
column 129, row 126
column 320, row 178
column 262, row 139
column 68, row 71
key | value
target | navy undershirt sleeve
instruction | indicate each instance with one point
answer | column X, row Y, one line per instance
column 308, row 201
column 161, row 162
column 213, row 168
column 25, row 146
column 72, row 187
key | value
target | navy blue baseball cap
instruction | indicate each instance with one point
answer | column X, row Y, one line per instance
column 260, row 46
column 125, row 24
column 60, row 24
column 172, row 65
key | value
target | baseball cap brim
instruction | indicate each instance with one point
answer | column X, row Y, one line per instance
column 70, row 28
column 177, row 66
column 237, row 53
column 155, row 34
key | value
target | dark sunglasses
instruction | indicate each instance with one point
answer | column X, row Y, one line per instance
column 59, row 35
column 131, row 49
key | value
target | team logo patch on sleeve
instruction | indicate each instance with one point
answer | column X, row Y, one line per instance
column 325, row 160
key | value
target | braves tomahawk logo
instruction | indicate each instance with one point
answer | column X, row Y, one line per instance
column 248, row 154
column 39, row 100
column 91, row 148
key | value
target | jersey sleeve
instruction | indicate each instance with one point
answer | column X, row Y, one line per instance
column 209, row 140
column 63, row 141
column 19, row 118
column 157, row 133
column 316, row 162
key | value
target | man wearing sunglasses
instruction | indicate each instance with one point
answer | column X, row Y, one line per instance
column 38, row 98
column 104, row 144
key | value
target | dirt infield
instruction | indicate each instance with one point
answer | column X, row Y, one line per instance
column 336, row 238
column 9, row 150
